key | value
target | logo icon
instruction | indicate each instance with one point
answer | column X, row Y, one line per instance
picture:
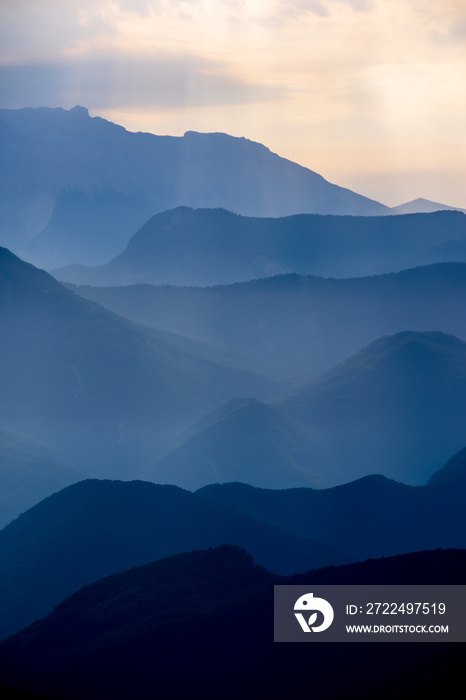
column 307, row 603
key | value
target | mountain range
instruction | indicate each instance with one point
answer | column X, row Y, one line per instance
column 113, row 396
column 298, row 324
column 75, row 188
column 397, row 407
column 95, row 528
column 245, row 440
column 202, row 247
column 95, row 385
column 290, row 351
column 201, row 624
column 358, row 516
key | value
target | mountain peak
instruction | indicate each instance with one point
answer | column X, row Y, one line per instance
column 99, row 183
column 423, row 206
column 79, row 111
column 409, row 385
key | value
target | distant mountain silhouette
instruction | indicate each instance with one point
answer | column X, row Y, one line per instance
column 397, row 407
column 358, row 516
column 102, row 389
column 419, row 205
column 201, row 625
column 300, row 324
column 75, row 188
column 29, row 472
column 213, row 246
column 244, row 441
column 95, row 528
column 454, row 471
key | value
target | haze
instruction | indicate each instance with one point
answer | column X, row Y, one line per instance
column 369, row 93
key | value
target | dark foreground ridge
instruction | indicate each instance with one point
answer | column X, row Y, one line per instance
column 201, row 624
column 96, row 528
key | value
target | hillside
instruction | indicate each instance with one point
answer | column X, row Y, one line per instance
column 453, row 472
column 357, row 516
column 29, row 472
column 95, row 528
column 103, row 390
column 130, row 633
column 212, row 246
column 244, row 441
column 298, row 323
column 397, row 407
column 76, row 188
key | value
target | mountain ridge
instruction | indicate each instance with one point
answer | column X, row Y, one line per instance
column 245, row 440
column 223, row 604
column 103, row 389
column 357, row 512
column 94, row 528
column 205, row 247
column 408, row 388
column 298, row 323
column 397, row 407
column 453, row 471
column 30, row 471
column 136, row 174
column 423, row 205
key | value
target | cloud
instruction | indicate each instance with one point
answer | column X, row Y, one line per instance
column 141, row 7
column 321, row 8
column 454, row 33
column 131, row 80
column 296, row 8
column 458, row 30
column 48, row 28
column 361, row 5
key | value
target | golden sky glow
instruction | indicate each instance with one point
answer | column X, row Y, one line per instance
column 369, row 93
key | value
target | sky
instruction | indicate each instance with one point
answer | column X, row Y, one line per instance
column 371, row 94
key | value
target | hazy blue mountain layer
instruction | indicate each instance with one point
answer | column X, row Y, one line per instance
column 95, row 528
column 103, row 390
column 112, row 395
column 420, row 204
column 75, row 188
column 289, row 350
column 245, row 441
column 201, row 625
column 397, row 407
column 29, row 472
column 213, row 246
column 296, row 323
column 358, row 516
column 454, row 470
